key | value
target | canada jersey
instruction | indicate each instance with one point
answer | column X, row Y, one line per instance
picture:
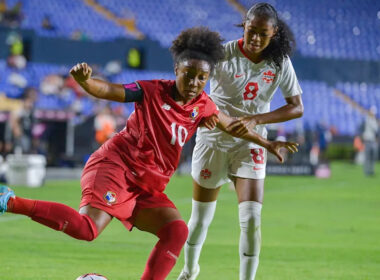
column 150, row 145
column 240, row 87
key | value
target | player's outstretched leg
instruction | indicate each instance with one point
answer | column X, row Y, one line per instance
column 51, row 214
column 202, row 214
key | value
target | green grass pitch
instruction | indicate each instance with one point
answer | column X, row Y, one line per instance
column 311, row 228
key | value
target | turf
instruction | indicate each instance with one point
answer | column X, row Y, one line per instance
column 312, row 229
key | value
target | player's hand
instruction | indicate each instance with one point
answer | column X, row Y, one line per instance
column 81, row 72
column 210, row 122
column 241, row 126
column 276, row 146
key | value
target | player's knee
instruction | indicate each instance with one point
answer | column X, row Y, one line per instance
column 175, row 233
column 201, row 217
column 182, row 232
column 250, row 216
column 250, row 222
column 198, row 225
column 90, row 236
column 88, row 232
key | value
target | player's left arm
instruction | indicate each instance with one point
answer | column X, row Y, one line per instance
column 292, row 110
column 273, row 147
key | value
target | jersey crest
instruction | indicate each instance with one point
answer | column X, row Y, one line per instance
column 194, row 113
column 110, row 197
column 268, row 76
column 166, row 107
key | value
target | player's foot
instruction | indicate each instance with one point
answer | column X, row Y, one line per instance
column 189, row 276
column 5, row 194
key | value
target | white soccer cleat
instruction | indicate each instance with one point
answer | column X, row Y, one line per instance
column 187, row 276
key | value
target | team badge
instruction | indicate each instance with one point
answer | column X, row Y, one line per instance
column 166, row 107
column 110, row 197
column 269, row 76
column 194, row 113
column 205, row 173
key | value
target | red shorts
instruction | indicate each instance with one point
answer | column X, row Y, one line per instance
column 104, row 186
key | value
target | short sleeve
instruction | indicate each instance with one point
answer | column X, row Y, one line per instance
column 289, row 83
column 210, row 108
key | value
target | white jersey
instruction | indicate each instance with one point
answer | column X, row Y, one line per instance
column 240, row 87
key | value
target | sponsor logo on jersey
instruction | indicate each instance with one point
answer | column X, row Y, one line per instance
column 269, row 76
column 205, row 173
column 110, row 197
column 239, row 75
column 166, row 107
column 194, row 113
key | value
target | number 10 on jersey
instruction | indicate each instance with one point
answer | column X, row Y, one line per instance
column 178, row 134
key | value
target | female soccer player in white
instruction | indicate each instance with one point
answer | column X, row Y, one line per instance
column 242, row 84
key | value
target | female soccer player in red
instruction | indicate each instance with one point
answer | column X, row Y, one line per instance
column 243, row 84
column 125, row 178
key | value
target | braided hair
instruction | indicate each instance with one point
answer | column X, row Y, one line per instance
column 198, row 43
column 282, row 43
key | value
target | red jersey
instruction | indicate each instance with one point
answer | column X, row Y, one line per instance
column 150, row 145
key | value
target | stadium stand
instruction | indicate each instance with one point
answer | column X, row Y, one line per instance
column 323, row 106
column 366, row 95
column 35, row 73
column 333, row 29
column 322, row 29
column 320, row 101
column 82, row 17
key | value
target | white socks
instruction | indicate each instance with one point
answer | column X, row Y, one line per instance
column 250, row 238
column 201, row 216
column 250, row 235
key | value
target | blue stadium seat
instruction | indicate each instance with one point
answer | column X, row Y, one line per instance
column 320, row 102
column 354, row 24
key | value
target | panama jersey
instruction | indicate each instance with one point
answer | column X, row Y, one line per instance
column 240, row 87
column 150, row 145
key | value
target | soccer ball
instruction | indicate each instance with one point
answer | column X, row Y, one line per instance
column 92, row 276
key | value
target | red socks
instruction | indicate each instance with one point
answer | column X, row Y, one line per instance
column 20, row 205
column 162, row 259
column 56, row 216
column 164, row 255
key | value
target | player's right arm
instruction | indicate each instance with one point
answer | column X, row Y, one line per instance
column 95, row 87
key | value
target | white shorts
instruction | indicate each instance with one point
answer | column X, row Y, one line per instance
column 212, row 168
